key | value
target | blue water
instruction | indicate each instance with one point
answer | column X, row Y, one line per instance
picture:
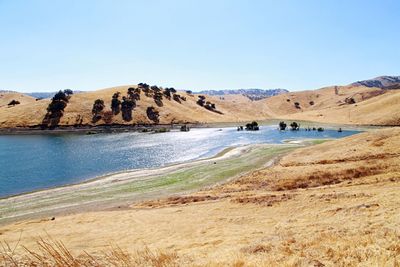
column 32, row 162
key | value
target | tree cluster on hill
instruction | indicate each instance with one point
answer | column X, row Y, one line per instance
column 201, row 101
column 55, row 109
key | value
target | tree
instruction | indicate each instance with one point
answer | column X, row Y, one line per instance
column 133, row 93
column 177, row 98
column 282, row 126
column 297, row 105
column 153, row 114
column 98, row 107
column 167, row 93
column 13, row 103
column 201, row 101
column 55, row 110
column 295, row 126
column 115, row 103
column 68, row 92
column 158, row 96
column 127, row 106
column 253, row 126
column 60, row 96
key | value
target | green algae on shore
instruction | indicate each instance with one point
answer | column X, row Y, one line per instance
column 127, row 187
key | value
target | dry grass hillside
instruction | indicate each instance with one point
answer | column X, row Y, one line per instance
column 7, row 97
column 337, row 104
column 79, row 110
column 333, row 204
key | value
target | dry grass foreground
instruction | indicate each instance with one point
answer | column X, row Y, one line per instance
column 333, row 204
column 330, row 105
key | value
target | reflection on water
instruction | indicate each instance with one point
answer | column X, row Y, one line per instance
column 32, row 162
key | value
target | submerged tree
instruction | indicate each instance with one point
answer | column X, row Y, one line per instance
column 295, row 126
column 282, row 126
column 252, row 126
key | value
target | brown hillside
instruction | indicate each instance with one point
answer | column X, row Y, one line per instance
column 7, row 97
column 341, row 104
column 347, row 105
column 233, row 108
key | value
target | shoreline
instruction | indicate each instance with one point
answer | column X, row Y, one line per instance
column 121, row 128
column 122, row 189
column 100, row 177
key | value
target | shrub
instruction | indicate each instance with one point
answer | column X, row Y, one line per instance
column 297, row 105
column 350, row 100
column 107, row 116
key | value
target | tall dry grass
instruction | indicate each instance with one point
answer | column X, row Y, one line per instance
column 50, row 252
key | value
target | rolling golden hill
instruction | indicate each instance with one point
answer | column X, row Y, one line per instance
column 7, row 97
column 336, row 104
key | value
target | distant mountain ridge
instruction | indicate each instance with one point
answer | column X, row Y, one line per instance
column 252, row 93
column 43, row 95
column 384, row 82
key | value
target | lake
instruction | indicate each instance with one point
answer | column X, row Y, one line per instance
column 33, row 162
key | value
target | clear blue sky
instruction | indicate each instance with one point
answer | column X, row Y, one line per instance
column 216, row 44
